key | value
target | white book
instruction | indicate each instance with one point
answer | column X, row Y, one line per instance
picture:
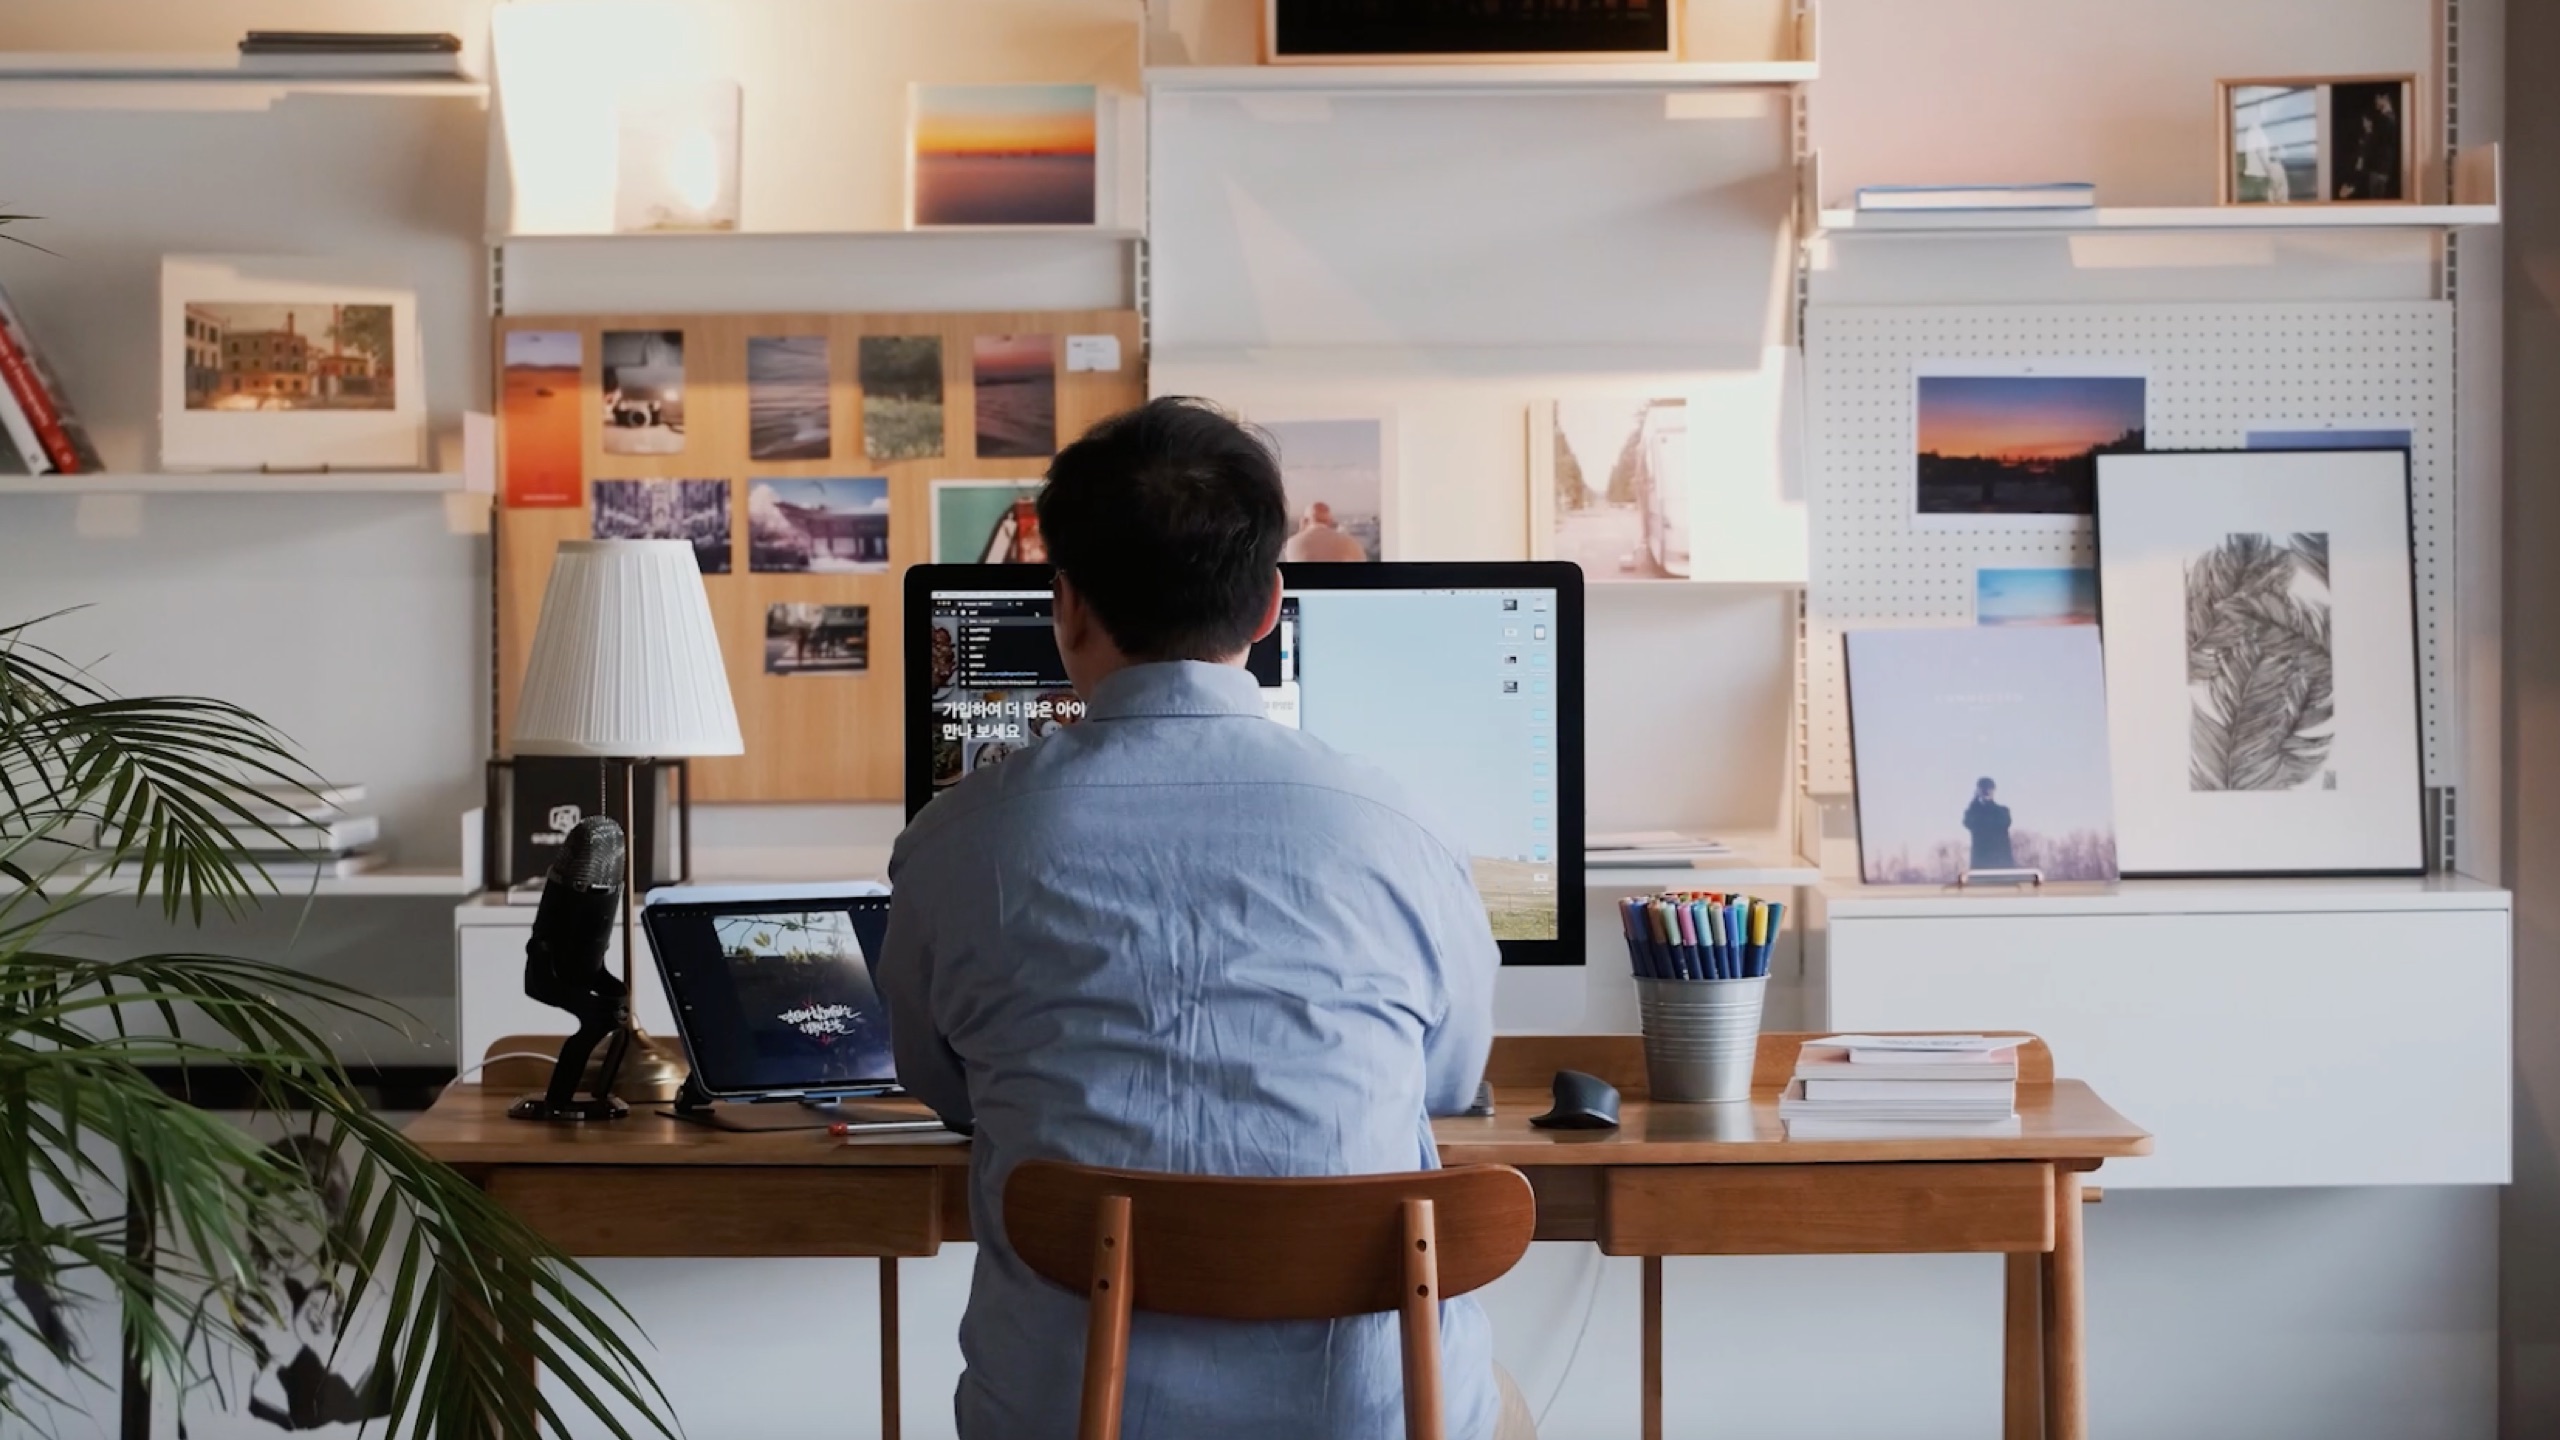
column 2070, row 195
column 1924, row 1091
column 22, row 435
column 1654, row 840
column 297, row 870
column 337, row 836
column 1800, row 1128
column 2003, row 1071
column 354, row 64
column 1919, row 1108
column 1837, row 1061
column 324, row 799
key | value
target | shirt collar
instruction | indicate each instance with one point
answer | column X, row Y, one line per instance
column 1176, row 687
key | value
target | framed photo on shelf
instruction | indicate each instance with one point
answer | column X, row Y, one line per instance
column 1340, row 32
column 1003, row 156
column 2262, row 662
column 2320, row 140
column 288, row 363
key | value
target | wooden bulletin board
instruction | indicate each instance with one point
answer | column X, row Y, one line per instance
column 814, row 735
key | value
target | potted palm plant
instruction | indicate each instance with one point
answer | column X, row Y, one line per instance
column 172, row 1219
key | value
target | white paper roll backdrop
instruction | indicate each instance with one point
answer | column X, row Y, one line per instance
column 625, row 659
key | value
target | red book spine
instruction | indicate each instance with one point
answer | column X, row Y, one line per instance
column 35, row 402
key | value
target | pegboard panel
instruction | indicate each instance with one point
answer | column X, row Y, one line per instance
column 2214, row 373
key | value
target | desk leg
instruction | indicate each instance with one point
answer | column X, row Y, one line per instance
column 2066, row 1401
column 889, row 1406
column 2022, row 1357
column 1652, row 1343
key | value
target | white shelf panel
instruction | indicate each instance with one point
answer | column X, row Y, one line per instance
column 1850, row 901
column 380, row 884
column 1757, row 862
column 211, row 81
column 342, row 482
column 929, row 234
column 1480, row 78
column 2166, row 219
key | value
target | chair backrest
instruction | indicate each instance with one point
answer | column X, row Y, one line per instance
column 1228, row 1249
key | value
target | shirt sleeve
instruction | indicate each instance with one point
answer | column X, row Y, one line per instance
column 927, row 1065
column 1455, row 1048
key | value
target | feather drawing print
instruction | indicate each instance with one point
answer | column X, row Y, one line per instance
column 2259, row 664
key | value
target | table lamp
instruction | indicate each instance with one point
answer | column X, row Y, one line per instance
column 625, row 666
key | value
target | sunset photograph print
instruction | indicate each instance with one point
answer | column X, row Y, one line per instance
column 1004, row 155
column 2022, row 444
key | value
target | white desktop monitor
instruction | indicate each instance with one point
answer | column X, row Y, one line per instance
column 1462, row 680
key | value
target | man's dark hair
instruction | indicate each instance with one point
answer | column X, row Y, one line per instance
column 1169, row 521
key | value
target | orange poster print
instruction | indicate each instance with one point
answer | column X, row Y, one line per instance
column 542, row 454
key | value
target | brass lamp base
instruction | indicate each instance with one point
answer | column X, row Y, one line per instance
column 653, row 1071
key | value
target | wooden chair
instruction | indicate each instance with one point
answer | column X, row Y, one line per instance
column 1227, row 1249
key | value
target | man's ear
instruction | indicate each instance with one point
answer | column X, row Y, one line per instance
column 1270, row 612
column 1070, row 616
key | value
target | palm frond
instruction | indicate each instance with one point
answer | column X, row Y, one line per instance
column 89, row 1141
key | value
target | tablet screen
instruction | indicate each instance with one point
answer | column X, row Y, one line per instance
column 777, row 995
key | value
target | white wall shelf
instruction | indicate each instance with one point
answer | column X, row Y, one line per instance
column 251, row 482
column 2161, row 219
column 928, row 235
column 212, row 81
column 1481, row 78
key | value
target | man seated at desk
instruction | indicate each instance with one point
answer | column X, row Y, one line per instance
column 1180, row 937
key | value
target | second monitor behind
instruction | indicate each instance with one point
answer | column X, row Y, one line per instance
column 1463, row 680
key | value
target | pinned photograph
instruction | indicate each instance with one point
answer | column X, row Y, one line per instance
column 544, row 451
column 1003, row 155
column 2274, row 143
column 2057, row 596
column 987, row 522
column 289, row 356
column 2021, row 444
column 676, row 159
column 1335, row 471
column 817, row 639
column 901, row 378
column 787, row 407
column 2369, row 140
column 818, row 527
column 696, row 511
column 1980, row 750
column 643, row 378
column 1016, row 378
column 1614, row 492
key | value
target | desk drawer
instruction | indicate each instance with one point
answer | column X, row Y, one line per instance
column 597, row 1211
column 1826, row 1209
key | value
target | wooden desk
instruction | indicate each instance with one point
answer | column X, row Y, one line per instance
column 1671, row 1180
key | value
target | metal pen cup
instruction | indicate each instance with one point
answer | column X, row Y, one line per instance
column 1701, row 1037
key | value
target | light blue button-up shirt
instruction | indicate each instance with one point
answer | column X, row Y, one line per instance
column 1181, row 937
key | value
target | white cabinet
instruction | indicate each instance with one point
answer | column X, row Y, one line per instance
column 2269, row 1033
column 488, row 981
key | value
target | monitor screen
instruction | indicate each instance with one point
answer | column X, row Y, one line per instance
column 775, row 996
column 1464, row 681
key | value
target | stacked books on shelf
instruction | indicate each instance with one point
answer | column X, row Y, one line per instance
column 35, row 418
column 1887, row 1087
column 317, row 834
column 2061, row 203
column 351, row 54
column 1642, row 849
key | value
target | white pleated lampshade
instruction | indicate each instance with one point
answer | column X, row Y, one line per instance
column 625, row 659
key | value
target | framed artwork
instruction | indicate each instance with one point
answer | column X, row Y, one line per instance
column 1980, row 749
column 288, row 363
column 2334, row 140
column 1003, row 155
column 1404, row 31
column 1340, row 476
column 1610, row 484
column 2262, row 662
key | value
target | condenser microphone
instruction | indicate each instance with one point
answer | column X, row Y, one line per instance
column 573, row 927
column 564, row 965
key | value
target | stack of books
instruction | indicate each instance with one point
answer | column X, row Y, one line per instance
column 347, row 54
column 316, row 835
column 35, row 418
column 1649, row 849
column 1889, row 1087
